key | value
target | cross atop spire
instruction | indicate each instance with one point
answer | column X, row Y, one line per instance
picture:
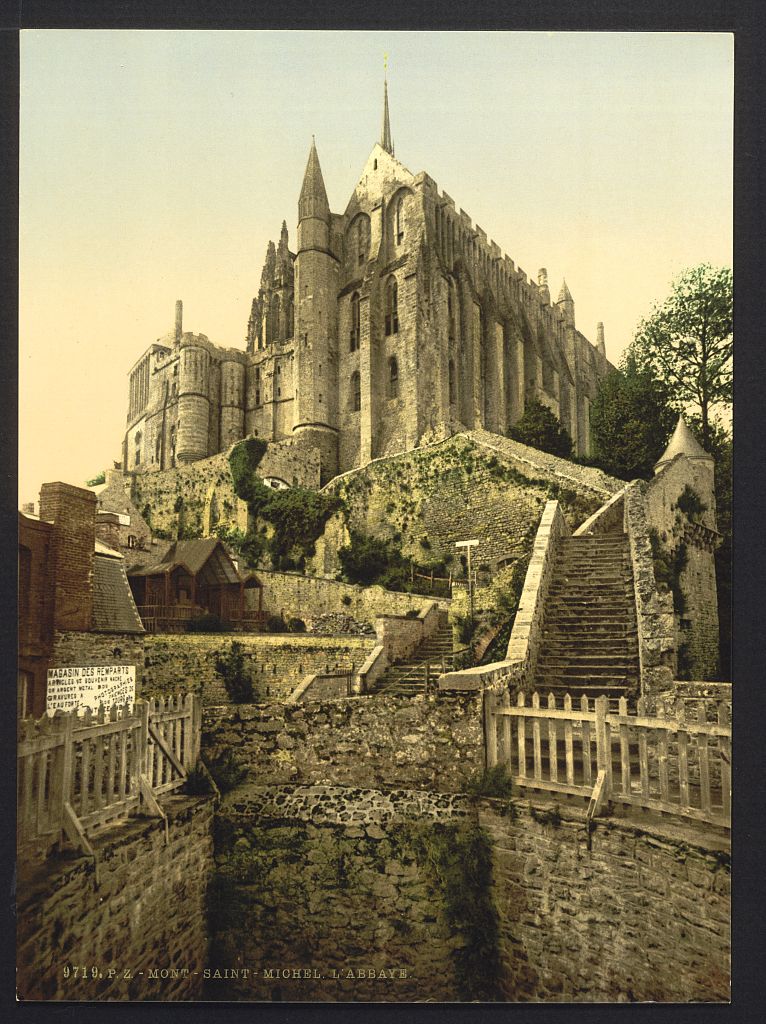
column 385, row 139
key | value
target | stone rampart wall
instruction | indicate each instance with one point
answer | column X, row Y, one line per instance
column 323, row 890
column 146, row 912
column 306, row 597
column 277, row 662
column 374, row 742
column 622, row 914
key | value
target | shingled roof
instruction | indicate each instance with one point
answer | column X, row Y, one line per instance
column 114, row 610
column 193, row 555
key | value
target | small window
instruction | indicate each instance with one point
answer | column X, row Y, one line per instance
column 392, row 307
column 375, row 165
column 279, row 392
column 399, row 220
column 356, row 392
column 354, row 338
column 131, row 540
column 393, row 378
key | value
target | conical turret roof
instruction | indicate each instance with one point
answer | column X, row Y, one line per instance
column 385, row 136
column 564, row 294
column 683, row 442
column 313, row 182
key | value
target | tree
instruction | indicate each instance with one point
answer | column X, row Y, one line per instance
column 630, row 421
column 539, row 428
column 687, row 341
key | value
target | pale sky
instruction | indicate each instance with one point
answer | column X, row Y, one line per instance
column 157, row 165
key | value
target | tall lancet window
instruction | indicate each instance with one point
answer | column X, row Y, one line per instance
column 400, row 220
column 393, row 378
column 392, row 306
column 451, row 371
column 361, row 240
column 354, row 322
column 356, row 391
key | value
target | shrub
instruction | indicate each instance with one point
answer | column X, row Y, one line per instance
column 208, row 624
column 276, row 624
column 494, row 782
column 296, row 625
column 234, row 671
column 690, row 503
column 346, row 600
column 227, row 772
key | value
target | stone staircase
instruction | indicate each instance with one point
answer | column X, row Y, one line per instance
column 589, row 645
column 408, row 678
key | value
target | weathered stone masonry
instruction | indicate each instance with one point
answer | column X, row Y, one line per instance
column 146, row 912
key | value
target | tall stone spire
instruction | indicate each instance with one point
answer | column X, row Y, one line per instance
column 313, row 197
column 385, row 139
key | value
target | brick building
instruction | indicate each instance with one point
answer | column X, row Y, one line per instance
column 394, row 323
column 75, row 604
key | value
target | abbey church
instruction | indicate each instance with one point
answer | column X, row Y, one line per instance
column 392, row 324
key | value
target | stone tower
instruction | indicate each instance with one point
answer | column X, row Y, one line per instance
column 685, row 478
column 316, row 341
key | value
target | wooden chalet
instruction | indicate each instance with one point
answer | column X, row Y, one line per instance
column 194, row 578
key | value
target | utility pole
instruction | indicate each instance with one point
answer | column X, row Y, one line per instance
column 468, row 544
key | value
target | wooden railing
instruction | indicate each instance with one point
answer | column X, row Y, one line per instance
column 174, row 618
column 79, row 773
column 675, row 766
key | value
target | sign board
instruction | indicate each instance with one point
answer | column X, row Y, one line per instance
column 466, row 543
column 80, row 686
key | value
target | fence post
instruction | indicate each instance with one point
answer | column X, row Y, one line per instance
column 490, row 729
column 61, row 780
column 196, row 728
column 143, row 738
column 602, row 754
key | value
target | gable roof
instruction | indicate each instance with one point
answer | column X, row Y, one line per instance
column 193, row 555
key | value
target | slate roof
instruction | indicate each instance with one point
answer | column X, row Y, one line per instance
column 114, row 610
column 683, row 442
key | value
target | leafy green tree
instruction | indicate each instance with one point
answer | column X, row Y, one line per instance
column 539, row 428
column 687, row 341
column 631, row 419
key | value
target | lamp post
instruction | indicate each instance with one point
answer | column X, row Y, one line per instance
column 468, row 544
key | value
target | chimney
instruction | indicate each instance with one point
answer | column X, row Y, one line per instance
column 28, row 508
column 72, row 510
column 542, row 284
column 179, row 319
column 600, row 343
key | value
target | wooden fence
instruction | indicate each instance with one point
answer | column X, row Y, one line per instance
column 678, row 766
column 76, row 774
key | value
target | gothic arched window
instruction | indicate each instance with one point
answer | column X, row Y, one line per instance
column 356, row 391
column 393, row 378
column 361, row 239
column 451, row 373
column 355, row 321
column 138, row 448
column 399, row 229
column 392, row 306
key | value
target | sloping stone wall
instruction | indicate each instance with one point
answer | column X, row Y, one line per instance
column 472, row 485
column 306, row 597
column 147, row 912
column 278, row 662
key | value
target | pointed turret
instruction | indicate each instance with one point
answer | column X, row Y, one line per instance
column 269, row 266
column 386, row 141
column 683, row 442
column 566, row 302
column 313, row 197
column 600, row 343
